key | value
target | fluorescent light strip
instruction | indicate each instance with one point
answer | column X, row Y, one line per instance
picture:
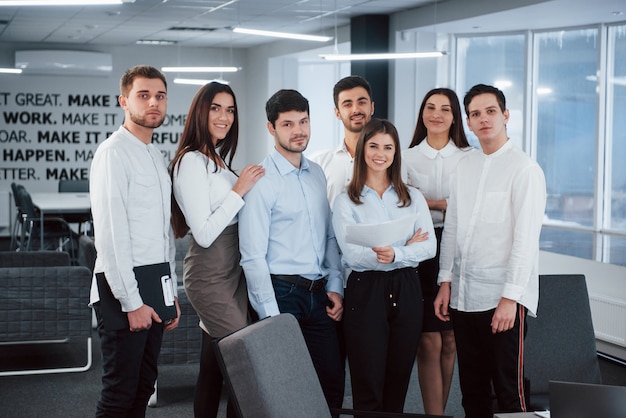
column 154, row 42
column 198, row 82
column 60, row 2
column 285, row 35
column 10, row 71
column 199, row 69
column 382, row 56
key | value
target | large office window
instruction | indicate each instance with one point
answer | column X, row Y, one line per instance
column 573, row 121
column 499, row 61
column 616, row 145
column 566, row 102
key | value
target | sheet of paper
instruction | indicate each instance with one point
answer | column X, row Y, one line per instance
column 380, row 235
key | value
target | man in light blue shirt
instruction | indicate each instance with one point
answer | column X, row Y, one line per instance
column 288, row 248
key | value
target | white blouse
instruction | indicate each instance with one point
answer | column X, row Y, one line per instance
column 205, row 196
column 429, row 170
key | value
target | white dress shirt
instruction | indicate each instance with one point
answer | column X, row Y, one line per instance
column 130, row 193
column 205, row 196
column 376, row 210
column 338, row 168
column 429, row 170
column 490, row 244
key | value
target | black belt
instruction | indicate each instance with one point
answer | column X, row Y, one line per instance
column 301, row 282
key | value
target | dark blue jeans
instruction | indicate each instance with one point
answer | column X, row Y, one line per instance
column 129, row 369
column 320, row 335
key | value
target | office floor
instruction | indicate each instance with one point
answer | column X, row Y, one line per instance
column 75, row 394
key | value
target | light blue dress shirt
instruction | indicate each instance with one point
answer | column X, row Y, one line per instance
column 376, row 210
column 285, row 228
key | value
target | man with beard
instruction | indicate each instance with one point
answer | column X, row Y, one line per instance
column 130, row 201
column 354, row 108
column 288, row 249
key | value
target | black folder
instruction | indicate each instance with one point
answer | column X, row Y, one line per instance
column 155, row 287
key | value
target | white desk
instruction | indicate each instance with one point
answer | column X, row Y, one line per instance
column 516, row 415
column 60, row 204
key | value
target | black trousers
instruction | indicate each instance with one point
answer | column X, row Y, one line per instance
column 208, row 392
column 129, row 369
column 487, row 359
column 382, row 324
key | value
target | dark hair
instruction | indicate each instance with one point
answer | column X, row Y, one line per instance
column 285, row 101
column 126, row 82
column 348, row 83
column 197, row 137
column 482, row 89
column 457, row 133
column 355, row 187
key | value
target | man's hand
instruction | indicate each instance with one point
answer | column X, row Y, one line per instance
column 442, row 302
column 141, row 319
column 174, row 322
column 504, row 316
column 335, row 310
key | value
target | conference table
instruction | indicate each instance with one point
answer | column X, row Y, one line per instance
column 60, row 204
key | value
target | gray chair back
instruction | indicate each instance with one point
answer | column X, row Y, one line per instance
column 34, row 259
column 270, row 372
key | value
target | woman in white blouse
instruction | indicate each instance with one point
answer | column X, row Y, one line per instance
column 207, row 196
column 438, row 144
column 382, row 320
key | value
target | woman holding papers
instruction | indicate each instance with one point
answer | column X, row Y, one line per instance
column 438, row 144
column 207, row 197
column 382, row 320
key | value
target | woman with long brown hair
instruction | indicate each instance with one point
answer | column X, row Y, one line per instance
column 382, row 313
column 206, row 198
column 438, row 144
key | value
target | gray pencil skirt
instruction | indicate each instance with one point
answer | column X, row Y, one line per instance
column 215, row 284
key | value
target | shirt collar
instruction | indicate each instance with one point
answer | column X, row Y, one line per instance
column 432, row 153
column 504, row 148
column 284, row 166
column 367, row 189
column 341, row 148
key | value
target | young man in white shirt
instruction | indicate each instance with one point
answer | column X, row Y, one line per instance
column 354, row 108
column 489, row 258
column 130, row 200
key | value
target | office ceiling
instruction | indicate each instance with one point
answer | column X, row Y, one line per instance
column 190, row 23
column 206, row 23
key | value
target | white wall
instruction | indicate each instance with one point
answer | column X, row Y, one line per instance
column 51, row 125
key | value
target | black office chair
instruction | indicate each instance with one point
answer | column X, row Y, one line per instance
column 77, row 186
column 16, row 230
column 57, row 236
column 560, row 344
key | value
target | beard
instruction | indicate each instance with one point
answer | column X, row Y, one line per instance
column 355, row 127
column 144, row 122
column 288, row 146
